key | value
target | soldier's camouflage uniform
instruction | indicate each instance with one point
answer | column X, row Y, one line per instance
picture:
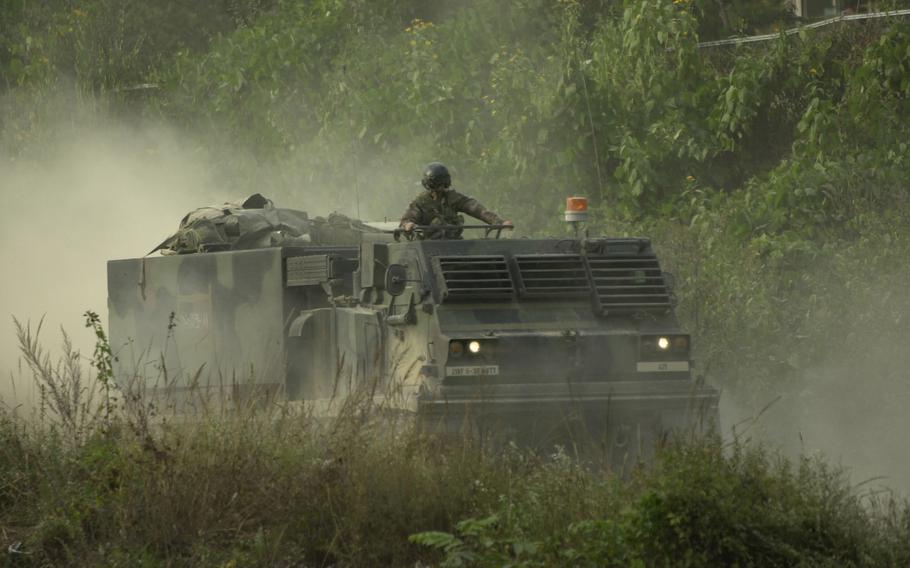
column 425, row 210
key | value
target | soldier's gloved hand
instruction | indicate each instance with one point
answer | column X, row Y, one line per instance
column 508, row 223
column 408, row 226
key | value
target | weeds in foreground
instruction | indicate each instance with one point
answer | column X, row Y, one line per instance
column 274, row 486
column 65, row 396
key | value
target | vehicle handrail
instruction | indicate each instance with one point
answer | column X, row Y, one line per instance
column 419, row 231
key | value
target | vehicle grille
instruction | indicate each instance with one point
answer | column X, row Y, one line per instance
column 629, row 283
column 552, row 275
column 476, row 278
column 623, row 283
column 307, row 270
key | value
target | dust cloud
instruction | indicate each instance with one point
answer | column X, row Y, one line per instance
column 98, row 188
column 850, row 409
column 92, row 194
column 108, row 190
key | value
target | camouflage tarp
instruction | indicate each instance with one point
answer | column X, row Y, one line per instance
column 257, row 223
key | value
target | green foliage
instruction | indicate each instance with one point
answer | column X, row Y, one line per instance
column 102, row 361
column 524, row 98
column 703, row 505
column 773, row 177
column 266, row 489
column 106, row 44
column 270, row 487
column 744, row 509
column 648, row 85
column 719, row 19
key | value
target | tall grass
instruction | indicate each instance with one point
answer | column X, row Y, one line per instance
column 271, row 485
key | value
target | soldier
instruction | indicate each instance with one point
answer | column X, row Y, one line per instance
column 441, row 205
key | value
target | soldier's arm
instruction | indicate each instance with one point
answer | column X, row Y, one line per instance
column 472, row 207
column 412, row 214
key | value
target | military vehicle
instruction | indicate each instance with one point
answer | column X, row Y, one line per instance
column 553, row 340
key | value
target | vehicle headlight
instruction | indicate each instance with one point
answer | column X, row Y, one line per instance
column 664, row 347
column 467, row 348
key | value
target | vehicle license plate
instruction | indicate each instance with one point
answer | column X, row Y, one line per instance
column 663, row 366
column 472, row 371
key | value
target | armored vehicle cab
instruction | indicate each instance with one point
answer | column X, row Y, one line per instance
column 570, row 341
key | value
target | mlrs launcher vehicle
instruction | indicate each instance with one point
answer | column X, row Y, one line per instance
column 555, row 340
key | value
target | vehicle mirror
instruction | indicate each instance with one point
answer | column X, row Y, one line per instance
column 396, row 279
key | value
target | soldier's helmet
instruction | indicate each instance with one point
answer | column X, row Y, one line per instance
column 436, row 177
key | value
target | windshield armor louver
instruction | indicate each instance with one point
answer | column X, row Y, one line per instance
column 614, row 283
column 634, row 283
column 622, row 283
column 552, row 275
column 475, row 278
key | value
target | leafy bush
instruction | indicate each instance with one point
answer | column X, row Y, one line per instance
column 703, row 505
column 262, row 486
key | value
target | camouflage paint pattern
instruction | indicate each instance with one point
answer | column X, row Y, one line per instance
column 567, row 330
column 557, row 351
column 208, row 320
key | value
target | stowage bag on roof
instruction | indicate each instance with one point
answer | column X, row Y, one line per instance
column 257, row 223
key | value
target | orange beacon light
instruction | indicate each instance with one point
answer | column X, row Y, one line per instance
column 576, row 209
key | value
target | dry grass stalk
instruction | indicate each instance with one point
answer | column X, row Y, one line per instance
column 66, row 389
